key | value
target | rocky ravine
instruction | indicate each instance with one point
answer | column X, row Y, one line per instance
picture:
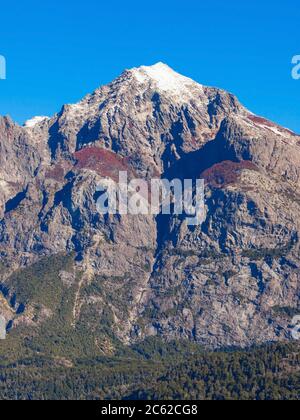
column 234, row 281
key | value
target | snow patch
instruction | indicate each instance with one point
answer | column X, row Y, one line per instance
column 274, row 130
column 34, row 121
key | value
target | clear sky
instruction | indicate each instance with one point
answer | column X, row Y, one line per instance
column 57, row 51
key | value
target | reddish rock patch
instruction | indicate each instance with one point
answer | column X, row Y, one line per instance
column 226, row 173
column 261, row 121
column 56, row 172
column 104, row 162
column 267, row 123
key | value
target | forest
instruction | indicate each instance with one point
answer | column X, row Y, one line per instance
column 153, row 370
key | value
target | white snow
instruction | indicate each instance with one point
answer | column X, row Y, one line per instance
column 284, row 133
column 281, row 131
column 34, row 121
column 275, row 130
column 165, row 79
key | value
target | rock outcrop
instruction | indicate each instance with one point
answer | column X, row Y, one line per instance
column 233, row 281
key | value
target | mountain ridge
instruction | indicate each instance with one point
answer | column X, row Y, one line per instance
column 225, row 283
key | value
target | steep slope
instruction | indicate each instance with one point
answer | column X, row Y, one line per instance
column 233, row 281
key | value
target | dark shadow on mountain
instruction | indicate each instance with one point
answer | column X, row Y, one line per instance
column 16, row 201
column 56, row 139
column 191, row 165
column 88, row 134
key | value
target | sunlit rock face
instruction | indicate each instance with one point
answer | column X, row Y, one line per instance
column 233, row 281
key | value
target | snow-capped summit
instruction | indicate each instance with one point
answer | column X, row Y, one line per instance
column 125, row 103
column 164, row 78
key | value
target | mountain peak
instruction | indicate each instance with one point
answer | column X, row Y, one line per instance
column 152, row 123
column 164, row 78
column 160, row 66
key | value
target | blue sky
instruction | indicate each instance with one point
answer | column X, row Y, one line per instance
column 57, row 51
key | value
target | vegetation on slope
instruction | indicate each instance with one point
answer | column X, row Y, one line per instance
column 158, row 371
column 55, row 358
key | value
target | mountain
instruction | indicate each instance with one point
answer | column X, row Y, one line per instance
column 74, row 281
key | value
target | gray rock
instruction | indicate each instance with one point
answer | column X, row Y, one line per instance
column 221, row 284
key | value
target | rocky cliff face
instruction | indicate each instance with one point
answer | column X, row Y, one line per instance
column 233, row 281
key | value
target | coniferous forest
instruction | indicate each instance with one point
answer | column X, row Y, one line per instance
column 157, row 371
